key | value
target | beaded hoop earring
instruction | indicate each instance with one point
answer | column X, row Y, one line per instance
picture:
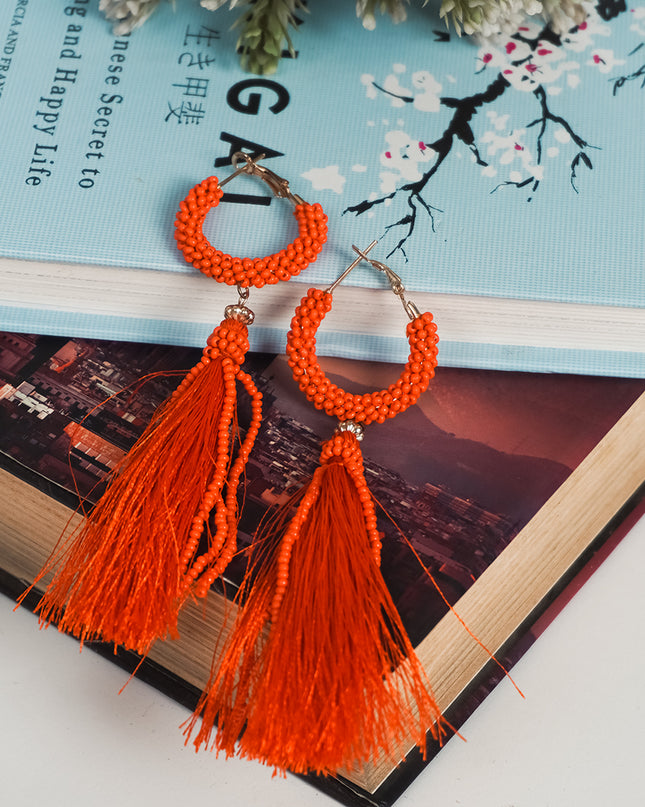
column 166, row 526
column 245, row 272
column 371, row 406
column 318, row 673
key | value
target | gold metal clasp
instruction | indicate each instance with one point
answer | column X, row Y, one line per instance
column 396, row 284
column 240, row 311
column 361, row 256
column 279, row 186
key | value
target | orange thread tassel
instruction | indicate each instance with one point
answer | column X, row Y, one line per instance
column 123, row 576
column 318, row 673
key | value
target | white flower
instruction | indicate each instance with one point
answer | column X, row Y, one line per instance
column 509, row 150
column 582, row 37
column 404, row 155
column 398, row 94
column 563, row 15
column 365, row 9
column 130, row 14
column 427, row 99
column 367, row 80
column 604, row 60
column 328, row 178
column 523, row 67
column 213, row 5
column 639, row 16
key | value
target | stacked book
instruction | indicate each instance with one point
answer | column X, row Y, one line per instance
column 504, row 184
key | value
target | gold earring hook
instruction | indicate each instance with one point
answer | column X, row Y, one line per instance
column 279, row 186
column 362, row 256
column 396, row 284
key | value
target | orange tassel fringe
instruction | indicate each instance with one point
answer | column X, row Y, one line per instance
column 124, row 575
column 318, row 673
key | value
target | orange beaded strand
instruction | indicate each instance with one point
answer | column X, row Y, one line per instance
column 372, row 406
column 225, row 542
column 229, row 343
column 342, row 447
column 290, row 537
column 245, row 272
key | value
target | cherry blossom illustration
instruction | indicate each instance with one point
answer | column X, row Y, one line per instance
column 516, row 154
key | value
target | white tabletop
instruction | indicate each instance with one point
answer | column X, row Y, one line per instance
column 577, row 739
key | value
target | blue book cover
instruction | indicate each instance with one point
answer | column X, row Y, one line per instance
column 510, row 169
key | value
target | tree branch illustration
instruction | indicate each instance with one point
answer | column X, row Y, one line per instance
column 548, row 116
column 458, row 129
column 542, row 123
column 633, row 76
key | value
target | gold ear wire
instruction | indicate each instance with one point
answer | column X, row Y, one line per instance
column 396, row 284
column 278, row 185
column 362, row 256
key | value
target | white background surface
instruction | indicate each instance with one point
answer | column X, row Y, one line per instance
column 68, row 738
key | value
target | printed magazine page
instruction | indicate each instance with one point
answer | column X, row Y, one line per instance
column 458, row 475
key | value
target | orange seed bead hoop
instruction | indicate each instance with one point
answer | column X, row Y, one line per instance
column 245, row 272
column 372, row 406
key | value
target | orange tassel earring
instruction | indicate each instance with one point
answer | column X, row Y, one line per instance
column 318, row 673
column 166, row 526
